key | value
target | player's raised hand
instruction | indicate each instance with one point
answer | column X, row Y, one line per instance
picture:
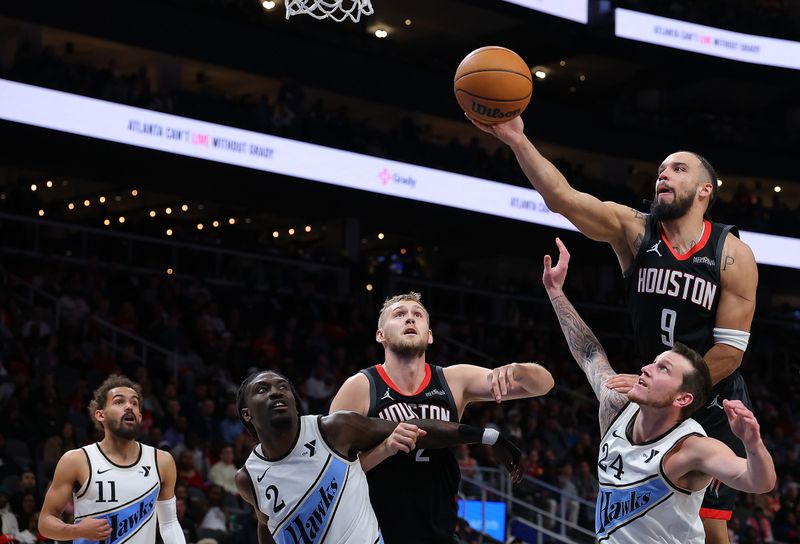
column 508, row 454
column 742, row 421
column 622, row 383
column 553, row 277
column 502, row 381
column 403, row 438
column 94, row 529
column 509, row 132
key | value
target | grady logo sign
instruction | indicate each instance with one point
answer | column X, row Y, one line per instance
column 386, row 176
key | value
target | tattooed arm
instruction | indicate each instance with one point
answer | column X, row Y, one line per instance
column 583, row 344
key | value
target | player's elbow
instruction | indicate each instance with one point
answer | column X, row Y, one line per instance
column 546, row 382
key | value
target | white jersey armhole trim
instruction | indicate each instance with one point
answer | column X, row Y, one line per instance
column 663, row 474
column 85, row 487
column 329, row 446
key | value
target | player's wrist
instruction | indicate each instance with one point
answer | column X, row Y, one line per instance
column 490, row 436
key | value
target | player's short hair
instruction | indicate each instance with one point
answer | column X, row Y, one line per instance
column 412, row 296
column 697, row 382
column 241, row 400
column 712, row 178
column 100, row 395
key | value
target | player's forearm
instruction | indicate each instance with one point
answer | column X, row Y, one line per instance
column 723, row 360
column 583, row 344
column 759, row 477
column 52, row 527
column 444, row 434
column 542, row 174
column 371, row 458
column 534, row 378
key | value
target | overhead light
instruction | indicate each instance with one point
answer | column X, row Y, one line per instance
column 582, row 77
column 168, row 211
column 541, row 74
column 170, row 271
column 291, row 232
column 408, row 22
column 121, row 218
column 102, row 200
column 248, row 220
column 215, row 224
column 308, row 228
column 719, row 183
column 106, row 222
column 152, row 213
column 275, row 233
column 33, row 187
column 403, row 251
column 381, row 236
column 562, row 63
column 49, row 183
column 87, row 202
column 117, row 198
column 169, row 232
column 70, row 206
column 231, row 221
column 135, row 192
column 199, row 226
column 41, row 213
column 777, row 188
column 369, row 287
column 268, row 4
column 381, row 33
column 185, row 208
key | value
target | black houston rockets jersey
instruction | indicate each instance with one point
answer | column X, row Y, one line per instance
column 414, row 494
column 124, row 495
column 674, row 297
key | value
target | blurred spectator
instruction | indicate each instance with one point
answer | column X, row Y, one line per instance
column 223, row 473
column 8, row 520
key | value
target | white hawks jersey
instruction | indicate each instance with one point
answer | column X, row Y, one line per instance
column 124, row 495
column 313, row 495
column 636, row 501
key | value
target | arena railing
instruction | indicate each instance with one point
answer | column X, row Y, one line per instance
column 117, row 337
column 550, row 519
column 130, row 252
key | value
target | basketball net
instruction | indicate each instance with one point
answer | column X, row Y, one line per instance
column 338, row 10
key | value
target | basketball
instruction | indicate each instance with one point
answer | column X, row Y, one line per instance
column 493, row 84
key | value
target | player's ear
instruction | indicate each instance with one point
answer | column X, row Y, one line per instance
column 100, row 416
column 246, row 414
column 379, row 338
column 430, row 337
column 684, row 399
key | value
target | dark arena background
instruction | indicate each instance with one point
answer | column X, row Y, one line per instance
column 193, row 189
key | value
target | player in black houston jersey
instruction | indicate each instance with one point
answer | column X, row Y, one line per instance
column 412, row 490
column 685, row 188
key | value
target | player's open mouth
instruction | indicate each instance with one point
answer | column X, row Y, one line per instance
column 641, row 382
column 279, row 405
column 129, row 418
column 410, row 330
column 664, row 191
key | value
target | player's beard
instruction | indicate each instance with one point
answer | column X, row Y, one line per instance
column 405, row 346
column 668, row 211
column 661, row 401
column 121, row 430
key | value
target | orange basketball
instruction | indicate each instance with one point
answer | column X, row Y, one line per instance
column 493, row 84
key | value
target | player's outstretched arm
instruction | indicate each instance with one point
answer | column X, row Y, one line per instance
column 601, row 221
column 582, row 342
column 245, row 487
column 350, row 432
column 71, row 469
column 755, row 474
column 470, row 383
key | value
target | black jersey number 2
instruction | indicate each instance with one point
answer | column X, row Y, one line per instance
column 668, row 318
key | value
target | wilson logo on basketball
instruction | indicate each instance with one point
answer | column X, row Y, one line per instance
column 494, row 113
